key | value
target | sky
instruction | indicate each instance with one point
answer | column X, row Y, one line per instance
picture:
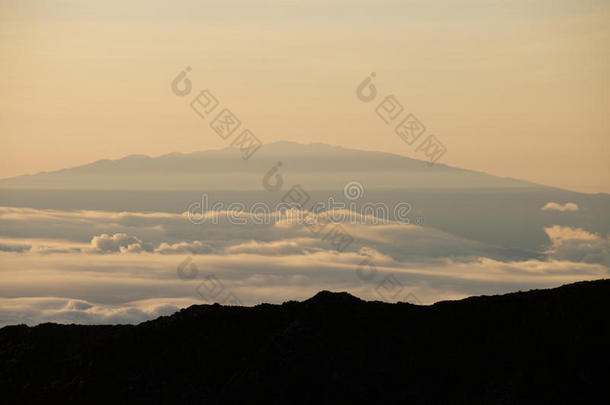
column 512, row 88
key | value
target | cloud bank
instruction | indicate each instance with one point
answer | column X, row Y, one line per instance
column 108, row 267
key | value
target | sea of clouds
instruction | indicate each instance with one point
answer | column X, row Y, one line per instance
column 121, row 267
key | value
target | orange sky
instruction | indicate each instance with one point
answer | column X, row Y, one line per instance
column 515, row 88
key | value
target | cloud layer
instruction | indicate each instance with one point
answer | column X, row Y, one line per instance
column 106, row 267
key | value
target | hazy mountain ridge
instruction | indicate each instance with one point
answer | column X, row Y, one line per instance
column 541, row 346
column 224, row 170
column 474, row 205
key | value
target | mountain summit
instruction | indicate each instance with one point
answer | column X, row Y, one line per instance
column 317, row 165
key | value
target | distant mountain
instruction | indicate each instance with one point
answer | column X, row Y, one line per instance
column 536, row 347
column 478, row 206
column 319, row 166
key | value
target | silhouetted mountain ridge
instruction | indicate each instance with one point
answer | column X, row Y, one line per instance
column 326, row 297
column 542, row 346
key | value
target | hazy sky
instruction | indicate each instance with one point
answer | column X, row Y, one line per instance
column 512, row 88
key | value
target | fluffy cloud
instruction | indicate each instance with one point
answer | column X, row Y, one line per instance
column 280, row 247
column 578, row 245
column 559, row 234
column 195, row 247
column 272, row 235
column 35, row 310
column 59, row 255
column 132, row 288
column 119, row 242
column 553, row 206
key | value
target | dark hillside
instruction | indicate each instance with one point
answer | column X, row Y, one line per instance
column 543, row 346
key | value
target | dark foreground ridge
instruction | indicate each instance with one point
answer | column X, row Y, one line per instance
column 543, row 346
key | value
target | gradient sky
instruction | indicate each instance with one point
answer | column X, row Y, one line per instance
column 512, row 88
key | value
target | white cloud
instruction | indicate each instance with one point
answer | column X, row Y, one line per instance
column 578, row 245
column 279, row 247
column 35, row 310
column 559, row 234
column 119, row 242
column 115, row 281
column 173, row 233
column 195, row 247
column 553, row 206
column 269, row 262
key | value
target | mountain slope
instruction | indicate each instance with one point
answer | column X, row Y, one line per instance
column 318, row 166
column 504, row 212
column 544, row 346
